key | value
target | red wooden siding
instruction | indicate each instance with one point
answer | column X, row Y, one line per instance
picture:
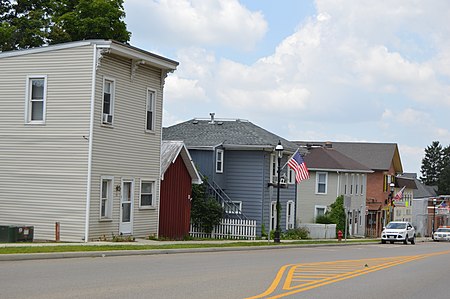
column 175, row 205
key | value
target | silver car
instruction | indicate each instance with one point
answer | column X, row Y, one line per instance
column 398, row 231
column 442, row 234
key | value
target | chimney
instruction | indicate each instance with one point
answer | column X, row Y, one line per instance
column 212, row 117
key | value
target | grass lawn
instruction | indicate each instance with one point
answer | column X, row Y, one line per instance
column 208, row 244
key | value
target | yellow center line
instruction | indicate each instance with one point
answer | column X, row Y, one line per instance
column 359, row 267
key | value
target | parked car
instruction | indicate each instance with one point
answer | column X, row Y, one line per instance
column 398, row 231
column 442, row 234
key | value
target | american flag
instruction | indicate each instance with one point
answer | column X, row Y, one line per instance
column 399, row 194
column 298, row 165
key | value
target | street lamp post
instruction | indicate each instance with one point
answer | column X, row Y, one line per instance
column 434, row 217
column 391, row 196
column 279, row 149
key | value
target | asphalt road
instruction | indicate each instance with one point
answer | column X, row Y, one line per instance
column 358, row 271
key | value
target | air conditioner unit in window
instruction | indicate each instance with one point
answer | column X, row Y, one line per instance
column 107, row 118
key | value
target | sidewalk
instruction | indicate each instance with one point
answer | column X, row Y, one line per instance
column 142, row 242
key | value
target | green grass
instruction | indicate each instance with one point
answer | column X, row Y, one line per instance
column 113, row 247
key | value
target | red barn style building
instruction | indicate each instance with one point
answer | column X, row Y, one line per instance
column 178, row 173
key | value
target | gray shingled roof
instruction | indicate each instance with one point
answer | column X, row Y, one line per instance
column 322, row 158
column 422, row 191
column 232, row 134
column 376, row 156
column 170, row 151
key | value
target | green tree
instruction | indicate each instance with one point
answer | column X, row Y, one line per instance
column 337, row 213
column 205, row 210
column 432, row 164
column 33, row 23
column 444, row 181
column 24, row 23
column 89, row 19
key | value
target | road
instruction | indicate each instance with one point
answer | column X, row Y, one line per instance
column 357, row 271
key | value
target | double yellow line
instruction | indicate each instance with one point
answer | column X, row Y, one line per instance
column 303, row 277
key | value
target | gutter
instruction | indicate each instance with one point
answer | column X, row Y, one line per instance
column 91, row 132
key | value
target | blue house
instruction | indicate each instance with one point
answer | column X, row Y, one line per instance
column 238, row 161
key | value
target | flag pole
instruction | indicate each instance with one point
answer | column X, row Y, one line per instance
column 289, row 158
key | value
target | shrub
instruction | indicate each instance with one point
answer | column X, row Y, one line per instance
column 324, row 219
column 205, row 210
column 296, row 234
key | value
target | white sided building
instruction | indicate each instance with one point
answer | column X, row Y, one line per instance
column 80, row 139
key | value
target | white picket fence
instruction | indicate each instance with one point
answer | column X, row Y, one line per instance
column 228, row 229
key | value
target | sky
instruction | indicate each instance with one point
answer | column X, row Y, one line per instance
column 324, row 70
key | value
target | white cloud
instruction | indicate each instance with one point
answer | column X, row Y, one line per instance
column 196, row 22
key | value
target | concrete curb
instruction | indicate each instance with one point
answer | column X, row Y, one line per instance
column 112, row 253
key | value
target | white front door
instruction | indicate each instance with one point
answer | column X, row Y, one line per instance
column 126, row 208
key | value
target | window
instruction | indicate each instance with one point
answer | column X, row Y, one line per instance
column 219, row 161
column 362, row 184
column 150, row 117
column 321, row 182
column 108, row 101
column 235, row 207
column 345, row 184
column 36, row 99
column 291, row 175
column 319, row 211
column 352, row 183
column 357, row 184
column 273, row 215
column 106, row 200
column 147, row 191
column 290, row 215
column 274, row 169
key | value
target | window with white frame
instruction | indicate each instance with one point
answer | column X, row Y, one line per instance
column 219, row 161
column 357, row 184
column 273, row 215
column 290, row 175
column 319, row 211
column 234, row 207
column 346, row 184
column 321, row 182
column 36, row 99
column 363, row 177
column 106, row 200
column 147, row 198
column 150, row 116
column 273, row 169
column 108, row 101
column 352, row 183
column 290, row 214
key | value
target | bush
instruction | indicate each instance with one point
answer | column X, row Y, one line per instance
column 324, row 219
column 205, row 211
column 296, row 234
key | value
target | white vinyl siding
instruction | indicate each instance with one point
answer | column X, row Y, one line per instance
column 51, row 159
column 128, row 151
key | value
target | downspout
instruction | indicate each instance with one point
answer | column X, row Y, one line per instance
column 91, row 131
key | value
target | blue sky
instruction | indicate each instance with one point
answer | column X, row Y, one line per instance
column 353, row 70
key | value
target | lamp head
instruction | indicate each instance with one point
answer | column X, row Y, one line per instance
column 392, row 185
column 279, row 149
